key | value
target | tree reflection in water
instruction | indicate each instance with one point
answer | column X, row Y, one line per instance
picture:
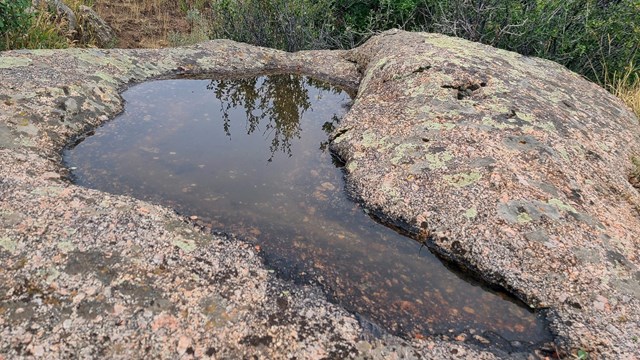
column 273, row 104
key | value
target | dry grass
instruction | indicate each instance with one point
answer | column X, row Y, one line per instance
column 626, row 86
column 634, row 177
column 143, row 23
column 631, row 95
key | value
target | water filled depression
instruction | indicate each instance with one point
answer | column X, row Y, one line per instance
column 250, row 156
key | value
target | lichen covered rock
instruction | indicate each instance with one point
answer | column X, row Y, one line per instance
column 510, row 166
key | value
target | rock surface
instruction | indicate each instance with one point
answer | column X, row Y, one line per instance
column 93, row 27
column 511, row 166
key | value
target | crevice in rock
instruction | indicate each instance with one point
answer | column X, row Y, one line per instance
column 465, row 90
column 421, row 69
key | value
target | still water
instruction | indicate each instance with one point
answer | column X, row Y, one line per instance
column 250, row 157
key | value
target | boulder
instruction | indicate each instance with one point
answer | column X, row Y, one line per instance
column 60, row 8
column 512, row 167
column 93, row 27
column 85, row 25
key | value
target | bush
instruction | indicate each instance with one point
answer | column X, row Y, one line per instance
column 14, row 19
column 289, row 25
column 591, row 37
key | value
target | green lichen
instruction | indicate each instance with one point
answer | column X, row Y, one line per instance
column 66, row 246
column 369, row 139
column 400, row 152
column 563, row 153
column 523, row 218
column 184, row 244
column 106, row 77
column 562, row 206
column 487, row 121
column 342, row 135
column 462, row 179
column 526, row 117
column 11, row 62
column 439, row 160
column 471, row 213
column 8, row 244
column 634, row 177
column 47, row 191
column 352, row 166
column 603, row 146
column 390, row 191
column 548, row 126
column 51, row 274
column 430, row 125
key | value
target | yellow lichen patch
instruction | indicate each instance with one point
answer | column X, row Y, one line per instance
column 462, row 179
column 487, row 121
column 8, row 244
column 562, row 206
column 184, row 244
column 523, row 218
column 471, row 213
column 431, row 125
column 439, row 160
column 10, row 62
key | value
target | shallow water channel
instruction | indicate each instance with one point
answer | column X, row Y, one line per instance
column 250, row 157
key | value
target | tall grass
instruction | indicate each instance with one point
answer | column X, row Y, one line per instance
column 43, row 32
column 626, row 86
column 42, row 27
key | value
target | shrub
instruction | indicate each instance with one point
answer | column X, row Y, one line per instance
column 290, row 25
column 14, row 19
column 588, row 36
column 43, row 33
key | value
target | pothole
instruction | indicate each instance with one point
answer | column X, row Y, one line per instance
column 250, row 156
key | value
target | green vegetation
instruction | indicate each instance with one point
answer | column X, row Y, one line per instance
column 591, row 37
column 281, row 24
column 599, row 39
column 22, row 26
column 14, row 19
